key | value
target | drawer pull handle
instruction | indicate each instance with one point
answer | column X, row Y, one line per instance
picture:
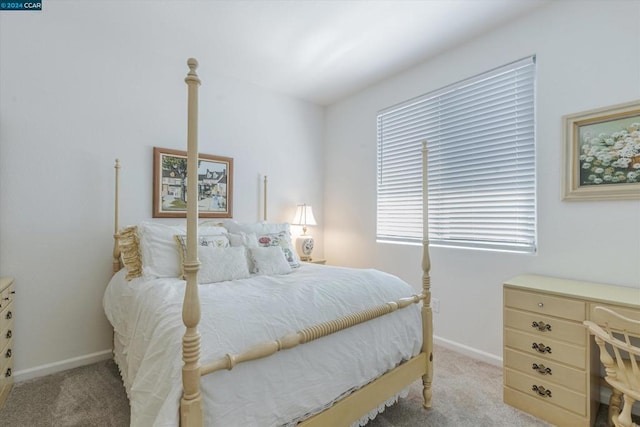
column 540, row 304
column 541, row 326
column 9, row 334
column 541, row 369
column 541, row 391
column 8, row 354
column 6, row 298
column 8, row 373
column 12, row 292
column 9, row 315
column 541, row 348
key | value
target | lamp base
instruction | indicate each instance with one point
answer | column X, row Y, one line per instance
column 304, row 247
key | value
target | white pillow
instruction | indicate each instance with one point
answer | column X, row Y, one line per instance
column 158, row 248
column 243, row 239
column 255, row 227
column 210, row 227
column 269, row 260
column 221, row 264
column 247, row 240
column 212, row 240
column 269, row 234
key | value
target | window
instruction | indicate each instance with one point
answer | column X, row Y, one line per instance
column 481, row 163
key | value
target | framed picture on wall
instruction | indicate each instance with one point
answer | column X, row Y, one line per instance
column 215, row 185
column 602, row 153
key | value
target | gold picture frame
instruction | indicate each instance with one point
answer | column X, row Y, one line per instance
column 602, row 153
column 215, row 185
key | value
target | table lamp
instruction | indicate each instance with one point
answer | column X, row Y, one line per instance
column 304, row 244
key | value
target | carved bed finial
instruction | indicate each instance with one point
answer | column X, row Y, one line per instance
column 192, row 76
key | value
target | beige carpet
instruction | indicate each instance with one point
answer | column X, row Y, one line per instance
column 465, row 393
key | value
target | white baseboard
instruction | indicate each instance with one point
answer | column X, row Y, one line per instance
column 469, row 351
column 63, row 365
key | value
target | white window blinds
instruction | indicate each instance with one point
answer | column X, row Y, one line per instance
column 481, row 168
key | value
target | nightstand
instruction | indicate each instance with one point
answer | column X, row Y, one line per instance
column 317, row 261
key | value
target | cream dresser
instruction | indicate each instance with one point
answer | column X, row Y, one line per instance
column 7, row 293
column 551, row 364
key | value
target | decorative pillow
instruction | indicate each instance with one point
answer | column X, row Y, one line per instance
column 212, row 241
column 129, row 245
column 248, row 240
column 269, row 260
column 158, row 249
column 269, row 234
column 220, row 264
column 282, row 240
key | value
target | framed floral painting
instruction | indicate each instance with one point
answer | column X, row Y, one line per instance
column 602, row 154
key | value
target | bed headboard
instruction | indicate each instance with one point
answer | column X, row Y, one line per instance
column 117, row 252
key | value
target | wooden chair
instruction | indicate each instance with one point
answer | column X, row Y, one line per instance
column 620, row 358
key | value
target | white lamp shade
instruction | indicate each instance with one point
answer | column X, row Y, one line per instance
column 304, row 216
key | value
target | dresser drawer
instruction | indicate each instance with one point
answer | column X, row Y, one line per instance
column 557, row 351
column 6, row 296
column 6, row 317
column 6, row 364
column 546, row 326
column 545, row 304
column 6, row 373
column 7, row 351
column 547, row 392
column 547, row 370
column 544, row 410
column 6, row 333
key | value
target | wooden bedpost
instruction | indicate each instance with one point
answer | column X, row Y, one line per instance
column 191, row 413
column 427, row 314
column 116, row 226
column 264, row 215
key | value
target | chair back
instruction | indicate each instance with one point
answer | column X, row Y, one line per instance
column 618, row 338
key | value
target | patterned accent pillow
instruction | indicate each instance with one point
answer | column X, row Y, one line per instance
column 209, row 240
column 283, row 240
column 261, row 229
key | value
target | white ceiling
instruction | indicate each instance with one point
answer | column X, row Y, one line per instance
column 322, row 51
column 317, row 50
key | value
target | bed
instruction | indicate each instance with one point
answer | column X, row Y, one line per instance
column 289, row 343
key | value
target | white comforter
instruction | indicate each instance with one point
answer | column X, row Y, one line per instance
column 278, row 390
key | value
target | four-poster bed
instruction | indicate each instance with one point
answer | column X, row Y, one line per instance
column 405, row 349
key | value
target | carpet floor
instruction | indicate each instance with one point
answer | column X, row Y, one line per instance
column 466, row 392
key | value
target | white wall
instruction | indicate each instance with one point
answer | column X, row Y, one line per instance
column 588, row 56
column 82, row 83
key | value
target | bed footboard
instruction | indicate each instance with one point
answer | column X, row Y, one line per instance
column 307, row 335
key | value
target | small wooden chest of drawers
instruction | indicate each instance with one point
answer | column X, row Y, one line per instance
column 551, row 365
column 7, row 293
